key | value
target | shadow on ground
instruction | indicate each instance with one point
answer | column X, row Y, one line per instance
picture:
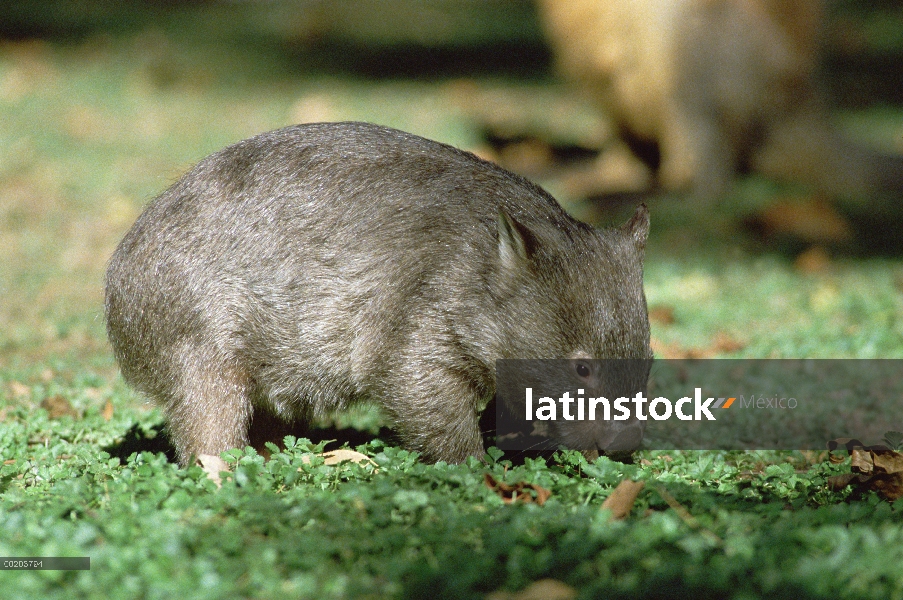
column 155, row 440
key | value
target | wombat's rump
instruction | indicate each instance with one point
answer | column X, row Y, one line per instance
column 304, row 269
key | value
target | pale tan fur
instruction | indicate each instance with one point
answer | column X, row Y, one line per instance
column 715, row 84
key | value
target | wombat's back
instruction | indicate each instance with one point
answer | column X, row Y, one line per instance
column 311, row 250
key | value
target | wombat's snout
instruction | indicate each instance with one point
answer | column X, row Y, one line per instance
column 596, row 438
column 627, row 439
column 617, row 444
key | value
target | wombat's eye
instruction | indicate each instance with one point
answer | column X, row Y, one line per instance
column 582, row 369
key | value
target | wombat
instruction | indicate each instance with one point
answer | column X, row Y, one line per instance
column 707, row 88
column 308, row 268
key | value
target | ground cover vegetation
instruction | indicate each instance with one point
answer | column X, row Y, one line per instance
column 101, row 107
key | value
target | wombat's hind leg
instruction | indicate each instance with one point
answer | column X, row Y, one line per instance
column 210, row 411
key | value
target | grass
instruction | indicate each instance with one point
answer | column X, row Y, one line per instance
column 92, row 126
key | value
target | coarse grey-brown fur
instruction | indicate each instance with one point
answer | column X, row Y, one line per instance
column 308, row 268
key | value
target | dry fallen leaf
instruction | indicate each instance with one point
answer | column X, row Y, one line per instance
column 882, row 461
column 57, row 406
column 334, row 457
column 212, row 466
column 838, row 482
column 873, row 468
column 725, row 344
column 813, row 220
column 621, row 500
column 672, row 350
column 884, row 469
column 836, row 459
column 662, row 314
column 722, row 343
column 518, row 492
column 544, row 589
column 107, row 412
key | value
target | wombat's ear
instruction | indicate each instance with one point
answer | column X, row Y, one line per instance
column 638, row 227
column 516, row 243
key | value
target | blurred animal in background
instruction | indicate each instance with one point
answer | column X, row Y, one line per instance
column 704, row 89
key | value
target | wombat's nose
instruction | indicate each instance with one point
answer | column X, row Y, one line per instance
column 626, row 440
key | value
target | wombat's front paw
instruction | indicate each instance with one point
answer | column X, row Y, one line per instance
column 454, row 453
